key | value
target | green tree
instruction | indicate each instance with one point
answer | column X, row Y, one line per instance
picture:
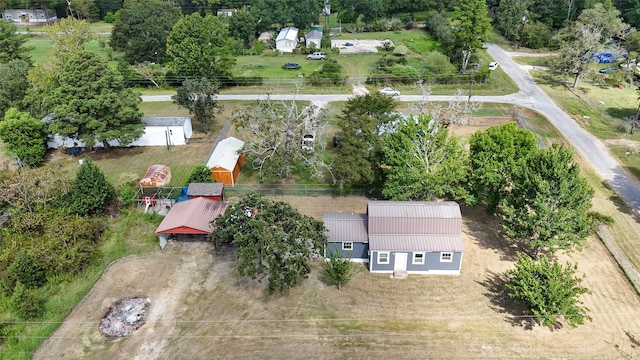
column 594, row 30
column 338, row 270
column 495, row 154
column 12, row 44
column 91, row 103
column 422, row 162
column 242, row 26
column 201, row 47
column 548, row 205
column 330, row 73
column 199, row 97
column 84, row 9
column 108, row 6
column 67, row 37
column 300, row 13
column 359, row 152
column 142, row 29
column 273, row 240
column 199, row 174
column 24, row 137
column 90, row 193
column 13, row 84
column 25, row 303
column 471, row 22
column 274, row 143
column 370, row 10
column 26, row 269
column 550, row 291
column 511, row 17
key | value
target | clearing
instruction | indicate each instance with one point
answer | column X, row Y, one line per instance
column 200, row 309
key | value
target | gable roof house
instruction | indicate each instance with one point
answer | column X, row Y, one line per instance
column 401, row 237
column 314, row 38
column 225, row 161
column 28, row 16
column 190, row 219
column 287, row 39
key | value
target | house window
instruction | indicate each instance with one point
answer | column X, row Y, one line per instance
column 347, row 246
column 446, row 257
column 383, row 257
column 418, row 258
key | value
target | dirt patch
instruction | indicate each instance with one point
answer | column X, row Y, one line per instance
column 125, row 317
column 354, row 46
column 204, row 310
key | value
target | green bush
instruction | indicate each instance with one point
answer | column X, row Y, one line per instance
column 91, row 193
column 26, row 269
column 400, row 50
column 199, row 174
column 337, row 270
column 25, row 303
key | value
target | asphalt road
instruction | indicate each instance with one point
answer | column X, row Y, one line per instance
column 530, row 96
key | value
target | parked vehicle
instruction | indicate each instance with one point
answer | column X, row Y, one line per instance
column 318, row 55
column 493, row 65
column 389, row 91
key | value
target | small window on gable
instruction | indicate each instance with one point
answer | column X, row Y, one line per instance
column 418, row 258
column 446, row 257
column 347, row 246
column 383, row 257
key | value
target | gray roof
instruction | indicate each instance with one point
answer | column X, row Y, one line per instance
column 427, row 243
column 205, row 189
column 289, row 33
column 314, row 34
column 164, row 121
column 414, row 209
column 346, row 227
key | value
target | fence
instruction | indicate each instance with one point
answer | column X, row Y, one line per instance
column 523, row 122
column 224, row 132
column 619, row 256
column 294, row 190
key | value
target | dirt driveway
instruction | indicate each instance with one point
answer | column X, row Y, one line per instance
column 201, row 310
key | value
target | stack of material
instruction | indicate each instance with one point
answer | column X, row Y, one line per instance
column 156, row 175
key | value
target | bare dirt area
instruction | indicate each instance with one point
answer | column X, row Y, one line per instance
column 200, row 309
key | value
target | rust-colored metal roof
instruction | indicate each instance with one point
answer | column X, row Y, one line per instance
column 194, row 214
column 425, row 243
column 205, row 189
column 346, row 227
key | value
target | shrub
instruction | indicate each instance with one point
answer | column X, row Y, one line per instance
column 338, row 270
column 401, row 50
column 199, row 174
column 110, row 17
column 26, row 269
column 25, row 303
column 91, row 193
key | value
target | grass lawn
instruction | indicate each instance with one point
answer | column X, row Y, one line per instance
column 41, row 47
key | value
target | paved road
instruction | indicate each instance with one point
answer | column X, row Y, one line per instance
column 530, row 96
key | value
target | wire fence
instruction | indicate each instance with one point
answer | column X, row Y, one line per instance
column 622, row 260
column 294, row 190
column 523, row 122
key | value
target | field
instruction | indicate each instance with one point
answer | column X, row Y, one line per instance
column 201, row 309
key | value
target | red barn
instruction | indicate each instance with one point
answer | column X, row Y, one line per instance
column 192, row 218
column 211, row 191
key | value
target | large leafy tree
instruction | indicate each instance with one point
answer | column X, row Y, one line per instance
column 242, row 26
column 201, row 47
column 274, row 241
column 495, row 155
column 423, row 162
column 359, row 154
column 24, row 137
column 548, row 205
column 90, row 193
column 199, row 97
column 13, row 84
column 300, row 13
column 594, row 30
column 274, row 140
column 91, row 103
column 12, row 44
column 67, row 37
column 142, row 29
column 511, row 17
column 370, row 10
column 471, row 22
column 551, row 292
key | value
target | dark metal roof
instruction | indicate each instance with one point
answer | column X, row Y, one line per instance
column 205, row 189
column 346, row 227
column 164, row 121
column 427, row 243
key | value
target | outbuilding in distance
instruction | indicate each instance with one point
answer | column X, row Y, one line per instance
column 225, row 161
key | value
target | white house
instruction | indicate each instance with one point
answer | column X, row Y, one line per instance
column 226, row 12
column 287, row 39
column 28, row 17
column 314, row 39
column 159, row 131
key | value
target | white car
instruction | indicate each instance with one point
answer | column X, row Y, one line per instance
column 493, row 65
column 389, row 91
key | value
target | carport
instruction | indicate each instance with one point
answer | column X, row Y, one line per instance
column 190, row 220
